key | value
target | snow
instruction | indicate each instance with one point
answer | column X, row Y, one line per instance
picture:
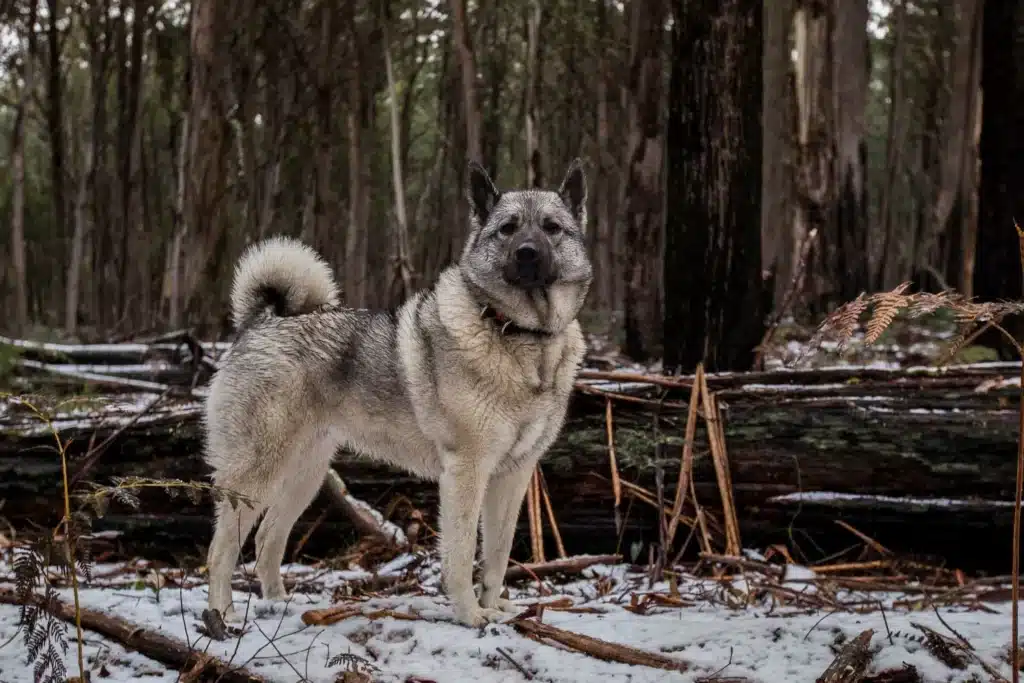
column 874, row 501
column 749, row 637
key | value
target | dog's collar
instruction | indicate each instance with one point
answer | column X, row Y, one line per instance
column 505, row 326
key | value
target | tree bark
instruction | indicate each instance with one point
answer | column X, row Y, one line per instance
column 998, row 272
column 533, row 170
column 605, row 267
column 644, row 195
column 898, row 108
column 357, row 231
column 715, row 297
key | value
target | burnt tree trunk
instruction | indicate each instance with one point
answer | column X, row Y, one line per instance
column 998, row 272
column 644, row 186
column 714, row 294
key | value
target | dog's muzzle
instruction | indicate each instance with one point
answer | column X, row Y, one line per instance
column 529, row 265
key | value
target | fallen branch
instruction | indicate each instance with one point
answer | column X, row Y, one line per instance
column 851, row 662
column 156, row 646
column 363, row 516
column 569, row 565
column 594, row 647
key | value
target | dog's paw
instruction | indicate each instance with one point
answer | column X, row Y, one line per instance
column 276, row 595
column 501, row 604
column 229, row 615
column 476, row 616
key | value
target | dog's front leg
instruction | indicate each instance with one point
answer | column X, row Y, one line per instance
column 502, row 503
column 461, row 492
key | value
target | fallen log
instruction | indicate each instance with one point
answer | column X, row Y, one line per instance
column 855, row 438
column 156, row 646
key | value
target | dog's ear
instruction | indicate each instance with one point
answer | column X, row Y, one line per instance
column 482, row 193
column 574, row 191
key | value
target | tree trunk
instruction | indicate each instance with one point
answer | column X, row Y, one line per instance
column 956, row 200
column 777, row 239
column 898, row 109
column 533, row 172
column 467, row 63
column 18, row 250
column 403, row 273
column 848, row 230
column 55, row 117
column 715, row 298
column 831, row 75
column 604, row 262
column 208, row 147
column 998, row 272
column 644, row 187
column 357, row 234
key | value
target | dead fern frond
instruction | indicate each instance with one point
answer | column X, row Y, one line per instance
column 886, row 306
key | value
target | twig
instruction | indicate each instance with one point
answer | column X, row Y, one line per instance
column 794, row 286
column 551, row 514
column 534, row 514
column 504, row 653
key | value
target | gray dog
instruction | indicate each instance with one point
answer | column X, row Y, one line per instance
column 466, row 384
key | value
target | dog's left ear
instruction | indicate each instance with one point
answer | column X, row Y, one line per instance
column 482, row 193
column 574, row 191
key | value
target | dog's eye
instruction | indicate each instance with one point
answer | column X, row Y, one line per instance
column 552, row 228
column 507, row 228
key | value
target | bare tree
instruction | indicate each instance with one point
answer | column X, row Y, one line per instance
column 532, row 86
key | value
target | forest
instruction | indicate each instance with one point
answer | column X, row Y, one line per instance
column 802, row 391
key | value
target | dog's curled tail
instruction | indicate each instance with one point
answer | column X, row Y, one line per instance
column 283, row 275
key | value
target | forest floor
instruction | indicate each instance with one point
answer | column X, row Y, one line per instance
column 743, row 626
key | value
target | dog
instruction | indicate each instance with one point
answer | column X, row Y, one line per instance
column 466, row 384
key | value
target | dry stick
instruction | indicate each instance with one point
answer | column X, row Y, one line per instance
column 96, row 378
column 870, row 542
column 1015, row 587
column 551, row 514
column 157, row 646
column 536, row 521
column 612, row 462
column 686, row 463
column 851, row 662
column 601, row 649
column 716, row 438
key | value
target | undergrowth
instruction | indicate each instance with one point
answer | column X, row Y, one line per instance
column 66, row 550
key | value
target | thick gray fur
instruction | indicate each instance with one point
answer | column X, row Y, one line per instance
column 466, row 384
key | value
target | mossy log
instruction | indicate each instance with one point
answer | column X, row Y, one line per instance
column 924, row 439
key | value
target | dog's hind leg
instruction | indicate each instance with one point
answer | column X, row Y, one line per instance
column 502, row 503
column 288, row 504
column 233, row 527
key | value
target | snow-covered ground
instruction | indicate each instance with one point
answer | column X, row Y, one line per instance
column 712, row 626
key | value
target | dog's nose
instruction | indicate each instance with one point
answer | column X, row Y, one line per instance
column 527, row 254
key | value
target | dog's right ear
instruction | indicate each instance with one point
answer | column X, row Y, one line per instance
column 482, row 193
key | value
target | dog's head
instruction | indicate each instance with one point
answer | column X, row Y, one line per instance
column 526, row 253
